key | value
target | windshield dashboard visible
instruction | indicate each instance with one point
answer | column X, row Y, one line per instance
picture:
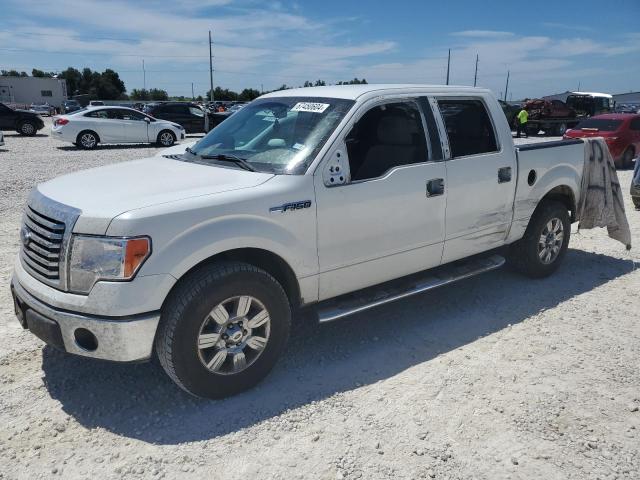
column 280, row 135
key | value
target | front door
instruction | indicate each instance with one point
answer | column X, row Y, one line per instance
column 135, row 127
column 481, row 176
column 381, row 209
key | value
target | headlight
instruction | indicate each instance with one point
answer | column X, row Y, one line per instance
column 104, row 258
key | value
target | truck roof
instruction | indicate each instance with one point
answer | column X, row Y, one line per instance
column 352, row 92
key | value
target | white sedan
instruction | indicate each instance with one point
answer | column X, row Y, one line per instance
column 90, row 126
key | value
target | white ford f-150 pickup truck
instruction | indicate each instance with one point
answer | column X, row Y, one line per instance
column 332, row 199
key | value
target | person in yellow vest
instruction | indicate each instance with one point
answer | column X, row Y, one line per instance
column 523, row 118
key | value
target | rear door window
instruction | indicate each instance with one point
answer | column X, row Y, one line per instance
column 98, row 114
column 468, row 126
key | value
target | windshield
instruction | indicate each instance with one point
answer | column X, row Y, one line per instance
column 602, row 124
column 276, row 135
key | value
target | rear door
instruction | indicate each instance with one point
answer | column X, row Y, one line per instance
column 481, row 177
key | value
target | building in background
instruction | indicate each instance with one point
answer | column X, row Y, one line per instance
column 631, row 97
column 23, row 91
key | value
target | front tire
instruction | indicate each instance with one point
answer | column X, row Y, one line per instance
column 222, row 329
column 166, row 138
column 540, row 251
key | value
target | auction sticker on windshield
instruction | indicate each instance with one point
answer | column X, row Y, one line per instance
column 310, row 107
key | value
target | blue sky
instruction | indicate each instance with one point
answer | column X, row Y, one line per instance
column 548, row 46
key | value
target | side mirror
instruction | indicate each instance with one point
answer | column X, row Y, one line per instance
column 147, row 119
column 336, row 169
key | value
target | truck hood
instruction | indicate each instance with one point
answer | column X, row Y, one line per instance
column 106, row 192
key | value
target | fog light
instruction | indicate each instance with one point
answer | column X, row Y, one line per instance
column 85, row 339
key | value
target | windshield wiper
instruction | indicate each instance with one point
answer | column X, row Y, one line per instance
column 241, row 162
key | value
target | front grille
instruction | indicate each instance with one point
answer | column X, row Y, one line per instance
column 42, row 240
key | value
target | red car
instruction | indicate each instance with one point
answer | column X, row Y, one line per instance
column 621, row 131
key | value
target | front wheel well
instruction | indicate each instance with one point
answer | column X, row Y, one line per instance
column 563, row 194
column 268, row 261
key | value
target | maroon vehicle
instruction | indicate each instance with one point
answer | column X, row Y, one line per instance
column 621, row 132
column 539, row 109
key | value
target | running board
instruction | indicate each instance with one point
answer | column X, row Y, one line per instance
column 398, row 289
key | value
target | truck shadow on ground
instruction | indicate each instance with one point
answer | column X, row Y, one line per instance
column 139, row 401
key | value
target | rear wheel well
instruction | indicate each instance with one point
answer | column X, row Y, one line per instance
column 88, row 130
column 564, row 195
column 268, row 261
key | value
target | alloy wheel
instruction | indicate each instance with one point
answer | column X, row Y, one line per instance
column 233, row 335
column 88, row 140
column 550, row 241
column 166, row 139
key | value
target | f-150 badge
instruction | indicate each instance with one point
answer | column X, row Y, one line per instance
column 287, row 207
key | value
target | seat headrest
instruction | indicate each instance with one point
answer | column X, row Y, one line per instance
column 394, row 130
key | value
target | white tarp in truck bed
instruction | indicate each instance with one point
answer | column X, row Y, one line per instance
column 601, row 203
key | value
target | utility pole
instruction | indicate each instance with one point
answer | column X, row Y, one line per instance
column 475, row 77
column 144, row 76
column 193, row 95
column 448, row 65
column 578, row 85
column 506, row 89
column 210, row 69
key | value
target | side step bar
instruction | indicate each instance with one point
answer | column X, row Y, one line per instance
column 398, row 289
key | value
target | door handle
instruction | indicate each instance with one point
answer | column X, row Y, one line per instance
column 435, row 187
column 504, row 174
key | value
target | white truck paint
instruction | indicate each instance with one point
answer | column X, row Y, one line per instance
column 320, row 231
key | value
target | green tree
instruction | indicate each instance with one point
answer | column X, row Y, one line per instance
column 41, row 74
column 355, row 81
column 157, row 94
column 72, row 76
column 139, row 94
column 248, row 94
column 13, row 73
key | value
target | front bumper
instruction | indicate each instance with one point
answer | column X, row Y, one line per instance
column 122, row 339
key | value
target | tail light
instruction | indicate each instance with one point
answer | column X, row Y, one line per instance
column 61, row 121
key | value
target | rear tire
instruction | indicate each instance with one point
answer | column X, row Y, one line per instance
column 87, row 140
column 27, row 128
column 627, row 158
column 544, row 244
column 561, row 129
column 211, row 346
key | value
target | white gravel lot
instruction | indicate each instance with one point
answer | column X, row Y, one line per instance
column 496, row 377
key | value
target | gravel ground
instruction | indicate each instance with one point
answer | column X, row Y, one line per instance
column 492, row 378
